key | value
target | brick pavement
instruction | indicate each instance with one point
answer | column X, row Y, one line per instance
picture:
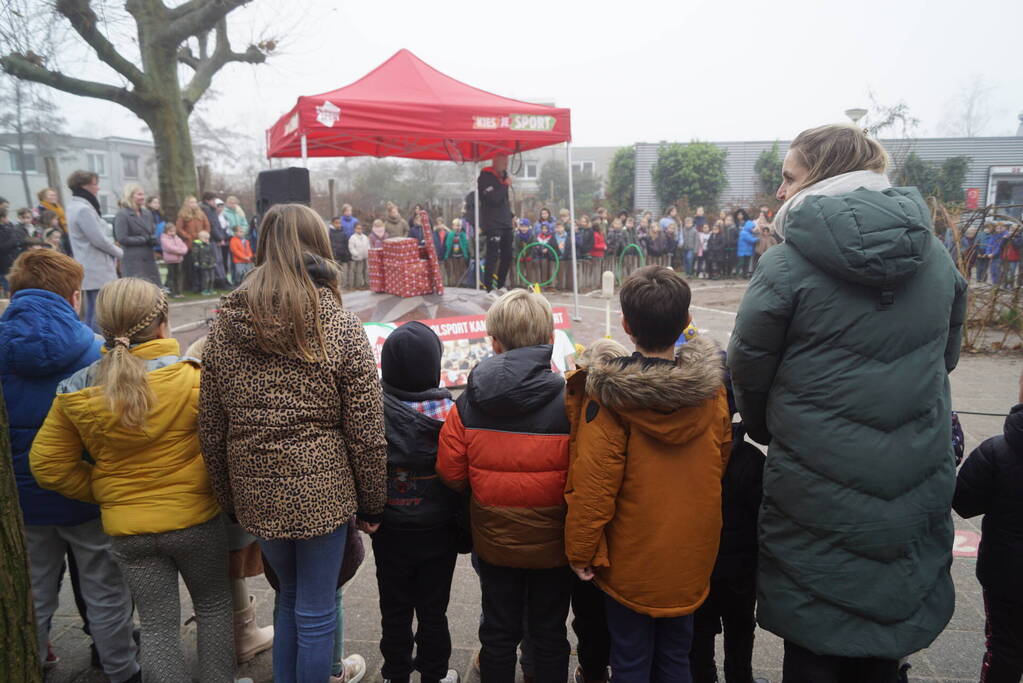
column 980, row 384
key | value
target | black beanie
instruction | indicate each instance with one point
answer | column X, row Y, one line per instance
column 410, row 359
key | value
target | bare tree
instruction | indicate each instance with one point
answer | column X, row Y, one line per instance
column 33, row 119
column 969, row 112
column 193, row 33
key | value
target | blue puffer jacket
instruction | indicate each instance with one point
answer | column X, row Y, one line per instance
column 42, row 342
column 747, row 240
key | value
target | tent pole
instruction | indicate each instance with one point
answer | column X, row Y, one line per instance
column 476, row 225
column 571, row 217
column 305, row 153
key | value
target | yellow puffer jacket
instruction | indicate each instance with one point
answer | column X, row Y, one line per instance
column 145, row 480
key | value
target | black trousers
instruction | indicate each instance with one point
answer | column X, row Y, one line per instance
column 730, row 605
column 499, row 258
column 1003, row 659
column 803, row 666
column 589, row 622
column 414, row 570
column 541, row 596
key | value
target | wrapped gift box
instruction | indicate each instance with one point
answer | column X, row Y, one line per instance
column 412, row 279
column 376, row 270
column 400, row 250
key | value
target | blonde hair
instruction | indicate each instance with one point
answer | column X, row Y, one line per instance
column 521, row 318
column 600, row 352
column 129, row 190
column 187, row 212
column 129, row 311
column 281, row 291
column 827, row 151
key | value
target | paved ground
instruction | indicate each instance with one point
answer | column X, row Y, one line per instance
column 981, row 384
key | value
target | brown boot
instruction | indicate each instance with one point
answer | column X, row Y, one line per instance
column 249, row 639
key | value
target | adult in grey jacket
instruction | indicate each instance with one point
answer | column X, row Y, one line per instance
column 840, row 359
column 90, row 244
column 135, row 232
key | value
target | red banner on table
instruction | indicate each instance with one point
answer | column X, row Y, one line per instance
column 466, row 343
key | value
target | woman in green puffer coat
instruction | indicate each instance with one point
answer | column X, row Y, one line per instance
column 840, row 359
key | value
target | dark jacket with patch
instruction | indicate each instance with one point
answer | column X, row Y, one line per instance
column 507, row 440
column 990, row 483
column 416, row 497
column 650, row 442
column 339, row 244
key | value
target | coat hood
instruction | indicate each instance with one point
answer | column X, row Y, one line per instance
column 173, row 379
column 648, row 393
column 516, row 382
column 875, row 238
column 1013, row 429
column 40, row 334
column 411, row 435
column 240, row 327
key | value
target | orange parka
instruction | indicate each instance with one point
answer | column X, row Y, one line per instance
column 649, row 444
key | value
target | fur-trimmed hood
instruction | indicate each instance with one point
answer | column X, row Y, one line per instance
column 647, row 394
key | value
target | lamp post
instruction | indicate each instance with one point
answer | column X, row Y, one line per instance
column 855, row 114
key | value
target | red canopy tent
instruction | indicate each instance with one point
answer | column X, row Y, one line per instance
column 406, row 108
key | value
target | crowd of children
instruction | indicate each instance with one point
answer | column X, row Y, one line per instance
column 990, row 253
column 567, row 492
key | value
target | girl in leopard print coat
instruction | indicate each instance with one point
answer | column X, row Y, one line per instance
column 291, row 424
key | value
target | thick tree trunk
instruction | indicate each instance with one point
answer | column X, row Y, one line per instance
column 175, row 160
column 19, row 653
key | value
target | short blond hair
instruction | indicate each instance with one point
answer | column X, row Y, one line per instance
column 600, row 352
column 521, row 318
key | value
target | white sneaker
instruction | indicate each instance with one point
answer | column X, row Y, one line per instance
column 355, row 670
column 452, row 677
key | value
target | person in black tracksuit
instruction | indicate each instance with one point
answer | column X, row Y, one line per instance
column 733, row 584
column 990, row 483
column 496, row 221
column 417, row 543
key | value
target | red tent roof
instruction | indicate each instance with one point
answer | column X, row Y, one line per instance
column 406, row 108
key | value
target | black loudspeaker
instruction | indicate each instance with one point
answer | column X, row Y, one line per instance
column 282, row 186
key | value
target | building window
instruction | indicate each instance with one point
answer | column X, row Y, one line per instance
column 583, row 167
column 531, row 169
column 104, row 201
column 97, row 164
column 131, row 165
column 29, row 159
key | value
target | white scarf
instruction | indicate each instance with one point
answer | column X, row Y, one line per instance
column 830, row 187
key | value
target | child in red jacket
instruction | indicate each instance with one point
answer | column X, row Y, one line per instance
column 507, row 440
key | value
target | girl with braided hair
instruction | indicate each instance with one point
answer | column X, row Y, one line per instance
column 134, row 411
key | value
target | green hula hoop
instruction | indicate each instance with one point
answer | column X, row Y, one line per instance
column 621, row 259
column 518, row 263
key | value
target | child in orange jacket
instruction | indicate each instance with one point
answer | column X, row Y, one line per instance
column 651, row 435
column 241, row 254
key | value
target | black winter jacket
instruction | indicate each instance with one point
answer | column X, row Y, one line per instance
column 990, row 483
column 741, row 492
column 495, row 207
column 416, row 497
column 217, row 232
column 339, row 245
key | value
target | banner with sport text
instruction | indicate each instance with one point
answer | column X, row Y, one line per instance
column 466, row 343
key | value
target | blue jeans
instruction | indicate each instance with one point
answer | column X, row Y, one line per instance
column 306, row 618
column 996, row 271
column 338, row 658
column 645, row 649
column 688, row 260
column 89, row 309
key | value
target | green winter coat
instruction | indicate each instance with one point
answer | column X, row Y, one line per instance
column 840, row 358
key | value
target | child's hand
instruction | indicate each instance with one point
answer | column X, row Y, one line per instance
column 584, row 573
column 366, row 527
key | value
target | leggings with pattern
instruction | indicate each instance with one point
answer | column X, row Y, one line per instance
column 151, row 564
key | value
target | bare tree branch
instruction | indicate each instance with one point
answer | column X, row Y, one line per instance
column 186, row 57
column 22, row 67
column 86, row 24
column 197, row 17
column 221, row 56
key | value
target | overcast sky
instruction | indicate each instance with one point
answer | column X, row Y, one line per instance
column 636, row 70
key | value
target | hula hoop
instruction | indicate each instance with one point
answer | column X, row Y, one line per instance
column 518, row 264
column 621, row 259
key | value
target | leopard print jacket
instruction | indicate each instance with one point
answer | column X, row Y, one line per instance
column 294, row 448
